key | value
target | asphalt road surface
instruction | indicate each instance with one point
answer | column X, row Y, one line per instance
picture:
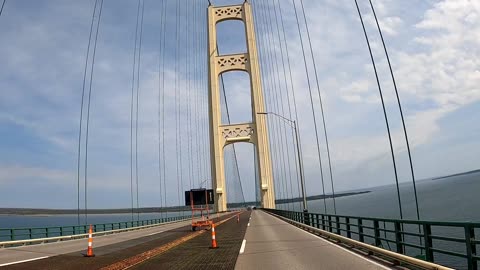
column 271, row 243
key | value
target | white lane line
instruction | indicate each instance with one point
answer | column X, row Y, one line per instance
column 154, row 233
column 340, row 247
column 242, row 249
column 22, row 261
column 248, row 225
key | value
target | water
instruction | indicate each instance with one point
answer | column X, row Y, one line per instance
column 32, row 221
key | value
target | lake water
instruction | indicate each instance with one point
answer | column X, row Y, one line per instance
column 450, row 199
column 30, row 221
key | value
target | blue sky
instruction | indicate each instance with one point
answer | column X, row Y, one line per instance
column 434, row 48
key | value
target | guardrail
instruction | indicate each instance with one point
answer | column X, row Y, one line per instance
column 448, row 243
column 24, row 236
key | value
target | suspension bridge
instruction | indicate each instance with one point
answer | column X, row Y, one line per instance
column 181, row 102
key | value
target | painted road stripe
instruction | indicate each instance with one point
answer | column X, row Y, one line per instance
column 242, row 249
column 248, row 225
column 154, row 233
column 22, row 261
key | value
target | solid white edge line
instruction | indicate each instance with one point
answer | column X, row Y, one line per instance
column 340, row 247
column 22, row 261
column 154, row 233
column 242, row 249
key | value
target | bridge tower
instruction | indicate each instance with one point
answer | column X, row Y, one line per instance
column 255, row 132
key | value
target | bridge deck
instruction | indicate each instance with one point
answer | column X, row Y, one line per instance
column 196, row 254
column 108, row 249
column 272, row 243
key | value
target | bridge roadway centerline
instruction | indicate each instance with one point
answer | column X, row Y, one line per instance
column 272, row 243
column 102, row 244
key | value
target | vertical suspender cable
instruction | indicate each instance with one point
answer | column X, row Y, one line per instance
column 293, row 93
column 288, row 102
column 81, row 108
column 196, row 89
column 136, row 116
column 188, row 88
column 311, row 104
column 88, row 109
column 384, row 110
column 267, row 89
column 177, row 16
column 321, row 108
column 131, row 109
column 180, row 111
column 161, row 107
column 279, row 96
column 278, row 135
column 400, row 109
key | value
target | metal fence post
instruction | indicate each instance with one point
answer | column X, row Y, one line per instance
column 376, row 231
column 337, row 224
column 12, row 234
column 317, row 223
column 323, row 222
column 471, row 247
column 360, row 230
column 330, row 229
column 306, row 217
column 398, row 237
column 349, row 233
column 427, row 233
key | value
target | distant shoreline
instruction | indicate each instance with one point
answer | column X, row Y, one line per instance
column 455, row 174
column 144, row 210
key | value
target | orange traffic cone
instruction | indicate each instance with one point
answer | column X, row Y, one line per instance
column 214, row 241
column 90, row 243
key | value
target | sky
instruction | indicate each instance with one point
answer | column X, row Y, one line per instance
column 433, row 46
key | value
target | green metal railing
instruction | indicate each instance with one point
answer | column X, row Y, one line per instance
column 13, row 234
column 451, row 244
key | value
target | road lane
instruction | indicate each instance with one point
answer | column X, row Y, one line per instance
column 272, row 243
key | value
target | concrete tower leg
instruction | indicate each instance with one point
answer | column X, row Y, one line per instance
column 255, row 132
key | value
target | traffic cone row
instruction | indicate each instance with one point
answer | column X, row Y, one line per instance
column 214, row 241
column 90, row 243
